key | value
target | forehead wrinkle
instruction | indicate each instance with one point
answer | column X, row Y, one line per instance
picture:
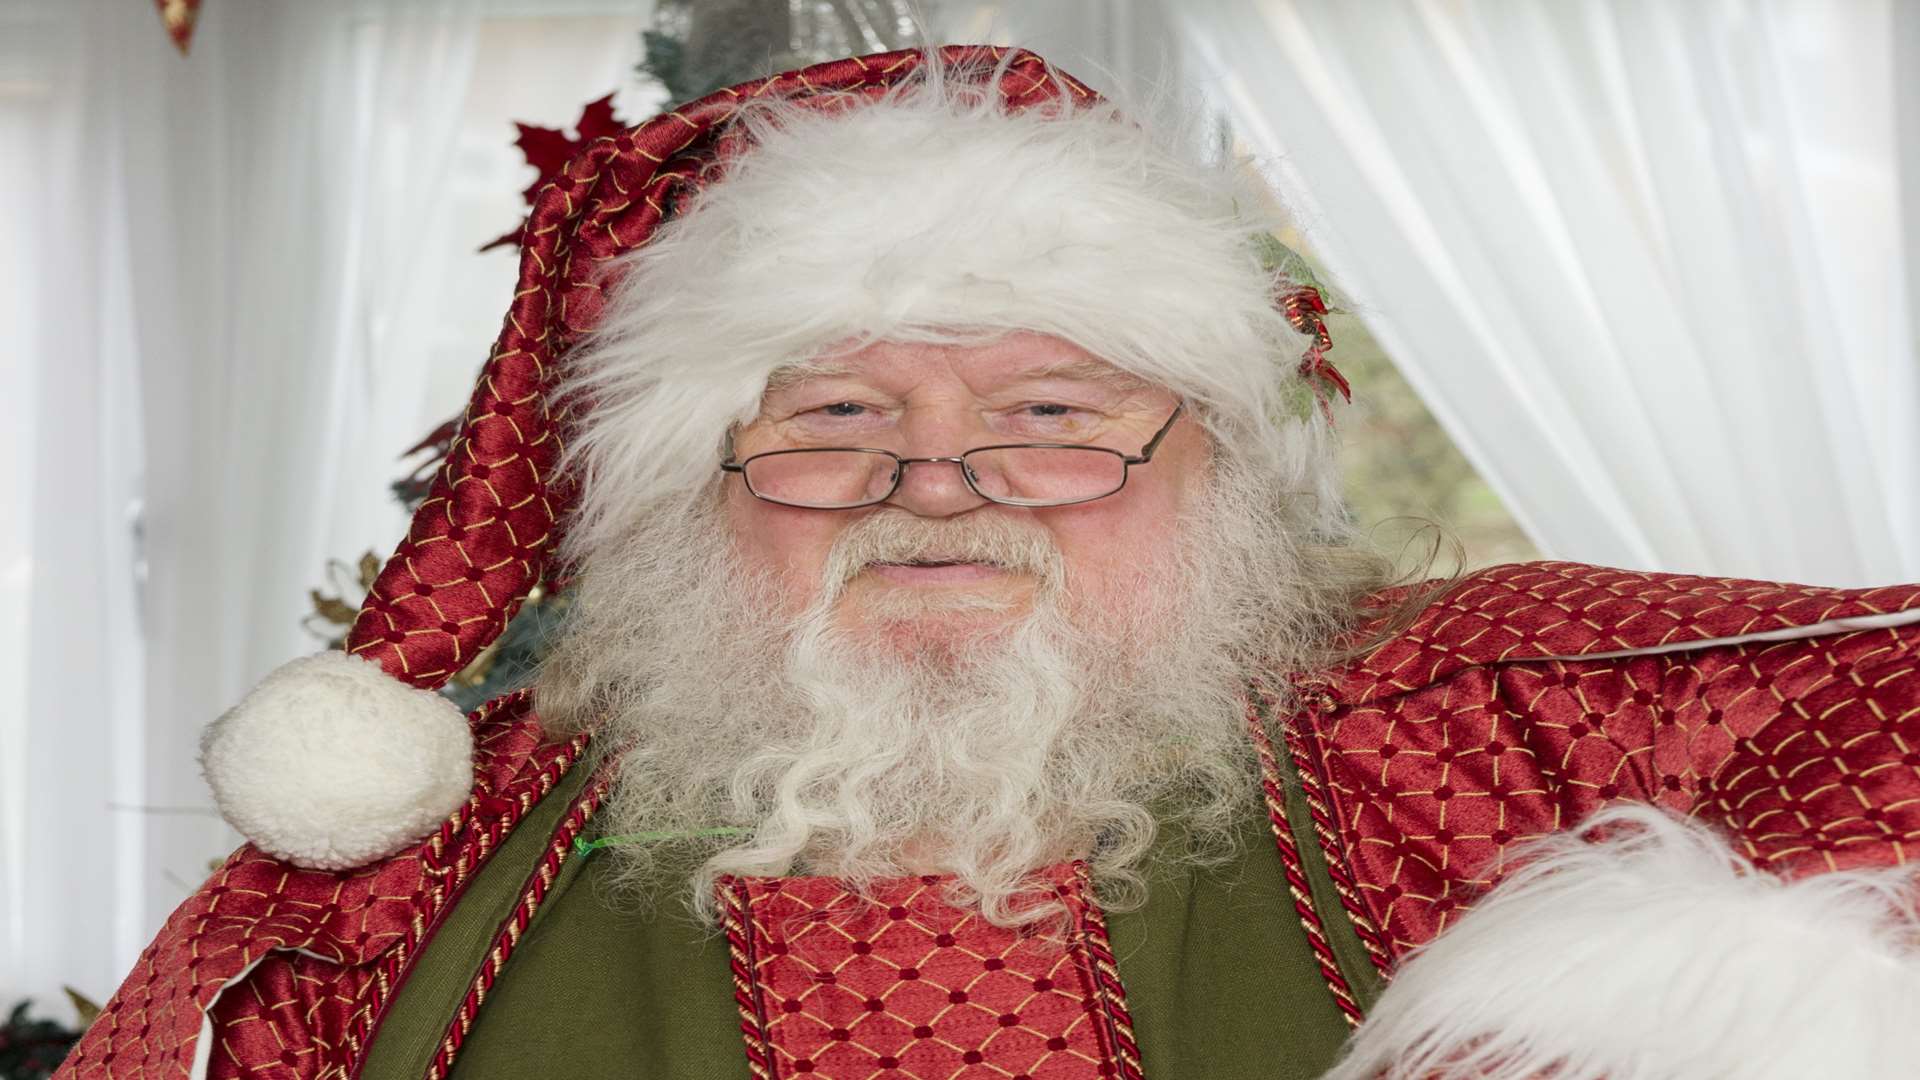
column 1079, row 369
column 1086, row 370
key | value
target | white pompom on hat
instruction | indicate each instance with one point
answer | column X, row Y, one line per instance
column 330, row 763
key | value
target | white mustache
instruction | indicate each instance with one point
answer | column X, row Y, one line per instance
column 900, row 537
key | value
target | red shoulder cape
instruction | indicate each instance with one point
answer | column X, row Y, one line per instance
column 272, row 965
column 1536, row 693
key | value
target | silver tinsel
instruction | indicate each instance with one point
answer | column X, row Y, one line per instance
column 698, row 46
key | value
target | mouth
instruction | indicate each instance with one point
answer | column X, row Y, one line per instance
column 935, row 571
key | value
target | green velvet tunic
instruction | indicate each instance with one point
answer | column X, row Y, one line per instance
column 1218, row 973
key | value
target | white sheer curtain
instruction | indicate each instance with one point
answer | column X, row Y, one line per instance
column 1122, row 47
column 71, row 412
column 235, row 286
column 1644, row 260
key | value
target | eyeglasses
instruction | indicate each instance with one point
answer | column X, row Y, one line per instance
column 1021, row 474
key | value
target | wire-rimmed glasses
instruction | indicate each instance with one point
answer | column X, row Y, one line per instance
column 1015, row 474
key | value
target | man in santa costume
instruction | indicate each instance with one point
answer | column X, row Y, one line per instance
column 969, row 673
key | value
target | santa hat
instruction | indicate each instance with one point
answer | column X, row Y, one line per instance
column 1005, row 196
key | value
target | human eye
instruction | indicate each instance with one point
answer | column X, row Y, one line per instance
column 1049, row 409
column 842, row 410
column 1052, row 420
column 837, row 417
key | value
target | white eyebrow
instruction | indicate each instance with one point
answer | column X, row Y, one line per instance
column 1081, row 369
column 793, row 374
column 1089, row 371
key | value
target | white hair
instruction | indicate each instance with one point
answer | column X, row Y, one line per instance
column 934, row 214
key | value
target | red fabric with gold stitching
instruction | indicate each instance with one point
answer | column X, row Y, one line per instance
column 1440, row 749
column 355, row 932
column 834, row 985
column 481, row 539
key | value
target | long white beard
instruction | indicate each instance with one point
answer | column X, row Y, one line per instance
column 757, row 744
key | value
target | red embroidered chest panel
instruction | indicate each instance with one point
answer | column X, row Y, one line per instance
column 901, row 984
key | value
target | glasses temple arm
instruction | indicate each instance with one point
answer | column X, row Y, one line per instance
column 1146, row 452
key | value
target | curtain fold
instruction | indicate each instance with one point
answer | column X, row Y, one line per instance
column 237, row 285
column 71, row 744
column 1643, row 260
column 214, row 249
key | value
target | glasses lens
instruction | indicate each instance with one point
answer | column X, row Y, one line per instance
column 1045, row 475
column 823, row 479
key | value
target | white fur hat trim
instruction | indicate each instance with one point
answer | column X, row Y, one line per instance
column 1658, row 953
column 331, row 763
column 931, row 215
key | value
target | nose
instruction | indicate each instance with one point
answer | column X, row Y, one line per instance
column 935, row 488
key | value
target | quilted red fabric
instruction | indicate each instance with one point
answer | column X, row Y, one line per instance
column 902, row 984
column 1435, row 753
column 312, row 954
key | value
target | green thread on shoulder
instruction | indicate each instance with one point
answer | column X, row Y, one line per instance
column 583, row 846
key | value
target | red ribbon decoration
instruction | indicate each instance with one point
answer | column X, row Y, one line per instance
column 179, row 17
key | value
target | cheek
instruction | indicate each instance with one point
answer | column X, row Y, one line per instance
column 789, row 544
column 1116, row 547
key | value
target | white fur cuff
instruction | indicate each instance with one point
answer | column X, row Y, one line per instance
column 1657, row 953
column 330, row 763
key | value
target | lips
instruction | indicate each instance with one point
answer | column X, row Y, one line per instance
column 935, row 571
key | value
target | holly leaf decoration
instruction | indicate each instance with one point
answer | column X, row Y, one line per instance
column 369, row 570
column 333, row 609
column 1302, row 297
column 546, row 149
column 597, row 121
column 83, row 1006
column 1282, row 261
column 549, row 149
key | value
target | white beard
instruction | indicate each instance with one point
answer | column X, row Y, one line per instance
column 756, row 744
